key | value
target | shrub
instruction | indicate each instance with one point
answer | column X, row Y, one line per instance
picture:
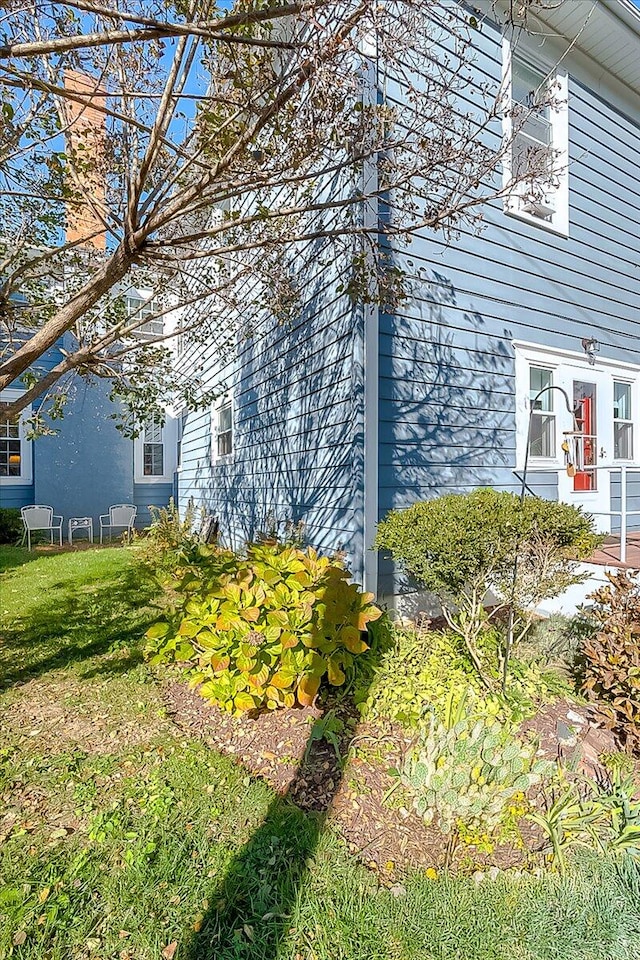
column 463, row 547
column 264, row 630
column 471, row 773
column 11, row 526
column 557, row 640
column 412, row 672
column 612, row 671
column 169, row 541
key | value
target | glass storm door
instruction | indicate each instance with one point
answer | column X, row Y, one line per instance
column 591, row 393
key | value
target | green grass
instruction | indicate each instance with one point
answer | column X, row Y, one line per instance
column 120, row 838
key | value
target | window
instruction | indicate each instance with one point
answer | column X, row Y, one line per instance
column 536, row 131
column 223, row 429
column 10, row 446
column 585, row 405
column 153, row 449
column 622, row 421
column 138, row 309
column 16, row 463
column 542, row 438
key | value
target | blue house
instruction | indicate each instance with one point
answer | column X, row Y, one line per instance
column 86, row 465
column 350, row 411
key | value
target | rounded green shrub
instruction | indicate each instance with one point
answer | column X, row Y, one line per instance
column 487, row 552
column 453, row 542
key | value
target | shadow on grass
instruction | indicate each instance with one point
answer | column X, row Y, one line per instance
column 67, row 628
column 118, row 666
column 16, row 556
column 249, row 915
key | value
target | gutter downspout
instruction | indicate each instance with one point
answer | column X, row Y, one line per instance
column 371, row 346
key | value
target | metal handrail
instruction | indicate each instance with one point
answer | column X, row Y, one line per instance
column 624, row 470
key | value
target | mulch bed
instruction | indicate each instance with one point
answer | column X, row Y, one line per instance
column 381, row 831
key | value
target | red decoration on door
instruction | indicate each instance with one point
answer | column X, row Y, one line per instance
column 585, row 479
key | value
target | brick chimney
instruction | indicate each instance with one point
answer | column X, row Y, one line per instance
column 85, row 143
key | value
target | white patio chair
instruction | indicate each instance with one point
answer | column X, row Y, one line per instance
column 40, row 517
column 121, row 516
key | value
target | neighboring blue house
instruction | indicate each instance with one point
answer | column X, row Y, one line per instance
column 350, row 411
column 87, row 465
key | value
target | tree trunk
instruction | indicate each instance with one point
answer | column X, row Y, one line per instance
column 116, row 267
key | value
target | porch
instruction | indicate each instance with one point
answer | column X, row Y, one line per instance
column 611, row 494
column 611, row 551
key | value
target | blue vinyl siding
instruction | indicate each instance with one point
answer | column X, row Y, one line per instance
column 447, row 376
column 44, row 364
column 298, row 427
column 633, row 499
column 88, row 464
column 16, row 495
column 447, row 369
column 150, row 494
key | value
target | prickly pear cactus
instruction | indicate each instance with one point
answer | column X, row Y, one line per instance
column 470, row 773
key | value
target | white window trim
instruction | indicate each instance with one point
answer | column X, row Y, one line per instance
column 216, row 407
column 26, row 446
column 525, row 358
column 146, row 306
column 633, row 421
column 527, row 354
column 180, row 416
column 512, row 203
column 169, row 434
column 551, row 412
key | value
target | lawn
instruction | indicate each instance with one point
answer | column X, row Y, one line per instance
column 122, row 838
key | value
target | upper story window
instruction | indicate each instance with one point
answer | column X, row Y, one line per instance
column 542, row 436
column 222, row 432
column 138, row 310
column 536, row 132
column 622, row 421
column 153, row 449
column 10, row 446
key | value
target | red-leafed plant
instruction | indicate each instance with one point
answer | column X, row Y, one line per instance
column 613, row 656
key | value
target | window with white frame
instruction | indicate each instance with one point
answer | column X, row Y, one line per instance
column 139, row 309
column 11, row 455
column 622, row 421
column 16, row 453
column 153, row 449
column 222, row 434
column 542, row 435
column 536, row 131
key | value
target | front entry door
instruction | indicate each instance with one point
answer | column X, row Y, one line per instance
column 590, row 391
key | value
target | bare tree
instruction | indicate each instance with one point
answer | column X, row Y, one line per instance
column 189, row 150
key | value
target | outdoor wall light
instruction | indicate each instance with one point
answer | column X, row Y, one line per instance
column 590, row 346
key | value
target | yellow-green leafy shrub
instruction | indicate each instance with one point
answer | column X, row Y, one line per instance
column 414, row 672
column 170, row 541
column 264, row 630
